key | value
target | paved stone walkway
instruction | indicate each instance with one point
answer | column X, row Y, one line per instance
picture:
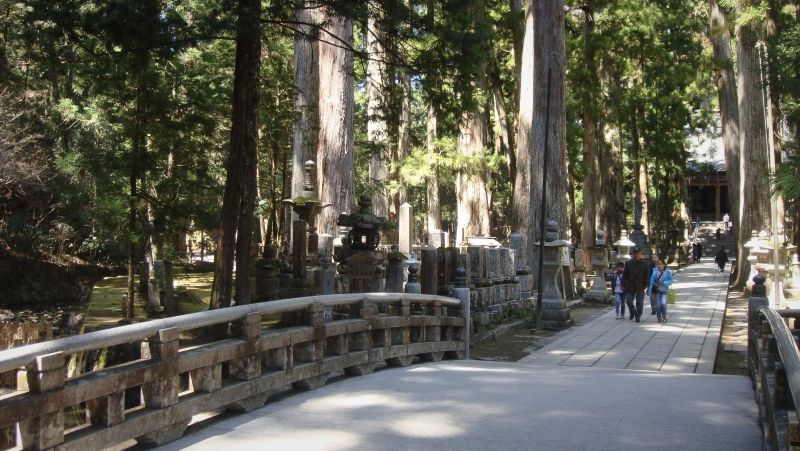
column 593, row 388
column 687, row 343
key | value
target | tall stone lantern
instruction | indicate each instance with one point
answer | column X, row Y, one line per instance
column 598, row 292
column 775, row 272
column 624, row 246
column 555, row 314
column 753, row 247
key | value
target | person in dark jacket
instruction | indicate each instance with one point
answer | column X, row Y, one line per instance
column 637, row 278
column 721, row 258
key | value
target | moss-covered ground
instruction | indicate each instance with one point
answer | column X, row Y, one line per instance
column 192, row 290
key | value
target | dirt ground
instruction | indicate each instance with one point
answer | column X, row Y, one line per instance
column 732, row 349
column 730, row 353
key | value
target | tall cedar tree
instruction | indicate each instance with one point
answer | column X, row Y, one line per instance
column 238, row 204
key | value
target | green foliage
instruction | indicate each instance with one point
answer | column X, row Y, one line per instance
column 787, row 180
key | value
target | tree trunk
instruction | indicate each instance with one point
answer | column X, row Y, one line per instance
column 521, row 206
column 306, row 126
column 238, row 203
column 432, row 187
column 377, row 131
column 549, row 56
column 728, row 104
column 773, row 100
column 403, row 132
column 754, row 208
column 472, row 191
column 612, row 199
column 592, row 176
column 306, row 101
column 503, row 132
column 336, row 102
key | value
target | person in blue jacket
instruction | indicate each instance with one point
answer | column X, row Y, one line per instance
column 660, row 281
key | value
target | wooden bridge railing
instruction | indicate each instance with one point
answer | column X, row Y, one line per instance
column 774, row 363
column 153, row 398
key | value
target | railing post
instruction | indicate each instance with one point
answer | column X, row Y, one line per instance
column 163, row 392
column 46, row 374
column 248, row 367
column 315, row 317
column 758, row 299
column 362, row 341
column 461, row 292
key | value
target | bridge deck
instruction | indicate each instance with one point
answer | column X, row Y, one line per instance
column 608, row 385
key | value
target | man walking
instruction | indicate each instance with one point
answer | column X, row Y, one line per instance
column 637, row 277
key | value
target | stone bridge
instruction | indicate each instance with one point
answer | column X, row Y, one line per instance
column 152, row 398
column 608, row 384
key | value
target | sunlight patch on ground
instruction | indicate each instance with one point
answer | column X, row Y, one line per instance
column 427, row 425
column 356, row 401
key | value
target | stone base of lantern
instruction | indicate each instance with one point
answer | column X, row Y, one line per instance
column 598, row 293
column 555, row 315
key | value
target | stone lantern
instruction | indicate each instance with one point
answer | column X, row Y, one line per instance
column 365, row 232
column 753, row 245
column 359, row 261
column 555, row 314
column 775, row 272
column 305, row 240
column 598, row 291
column 624, row 246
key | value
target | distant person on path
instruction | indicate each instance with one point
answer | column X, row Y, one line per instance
column 618, row 288
column 697, row 251
column 653, row 267
column 636, row 276
column 660, row 281
column 719, row 233
column 721, row 259
column 726, row 219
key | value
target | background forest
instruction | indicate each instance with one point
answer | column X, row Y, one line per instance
column 126, row 125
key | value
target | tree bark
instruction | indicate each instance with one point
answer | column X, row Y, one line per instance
column 592, row 179
column 306, row 103
column 336, row 102
column 549, row 56
column 432, row 187
column 503, row 133
column 238, row 203
column 377, row 130
column 521, row 205
column 754, row 208
column 403, row 132
column 472, row 191
column 728, row 104
column 306, row 126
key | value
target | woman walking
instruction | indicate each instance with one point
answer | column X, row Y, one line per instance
column 660, row 281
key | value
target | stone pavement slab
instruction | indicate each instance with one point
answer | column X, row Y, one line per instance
column 686, row 343
column 477, row 405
